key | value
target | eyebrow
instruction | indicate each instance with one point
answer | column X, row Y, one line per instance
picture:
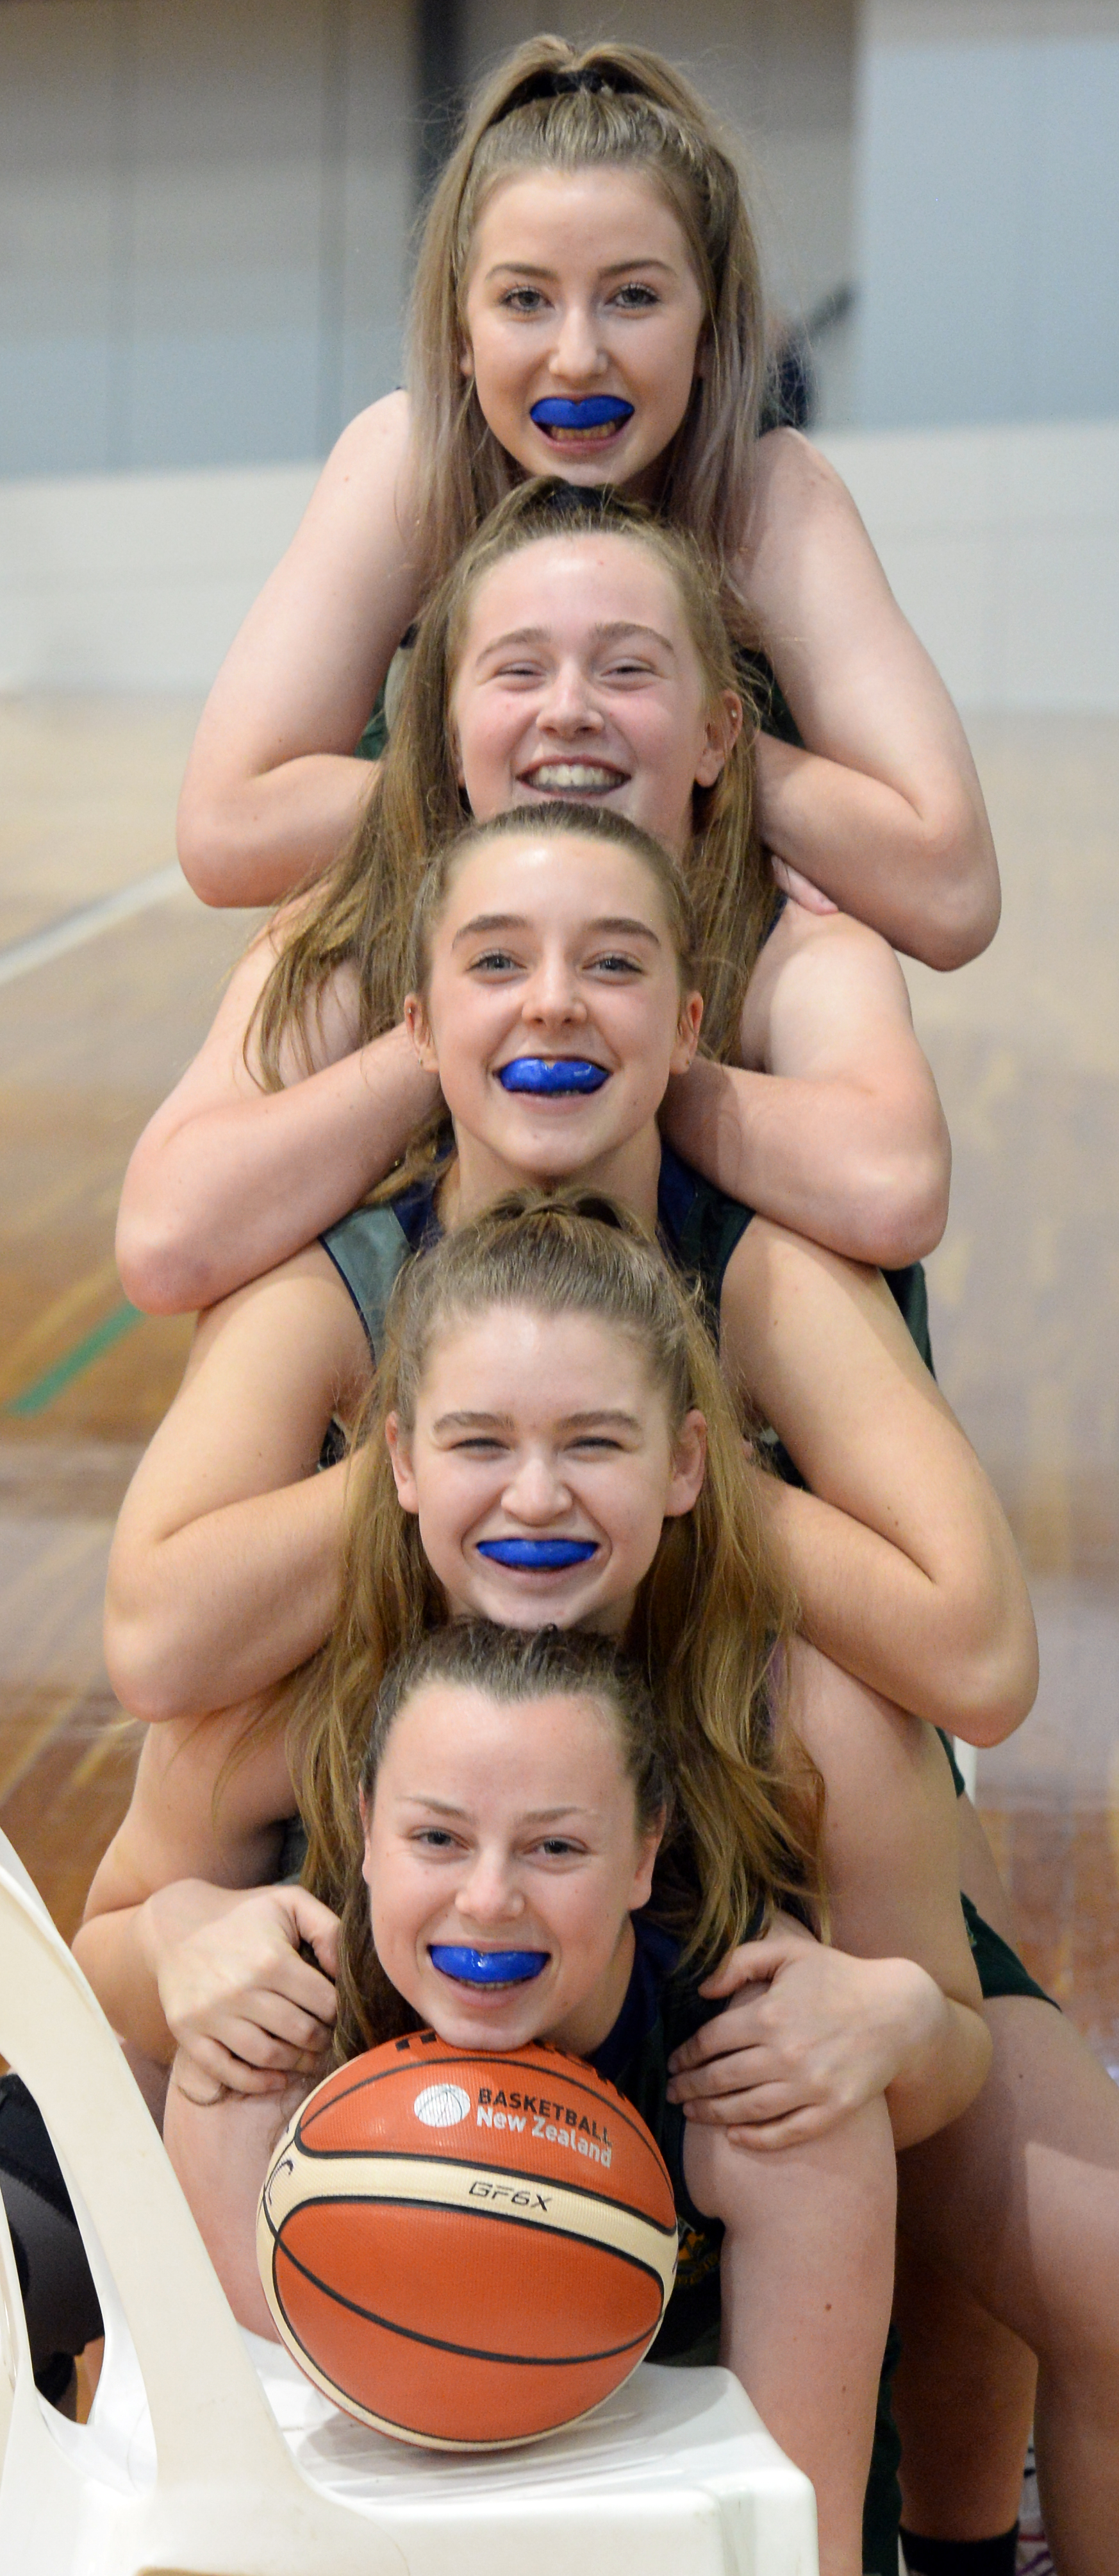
column 531, row 1816
column 616, row 268
column 608, row 631
column 619, row 924
column 596, row 1417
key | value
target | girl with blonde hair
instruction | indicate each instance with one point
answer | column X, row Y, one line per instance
column 587, row 300
column 575, row 649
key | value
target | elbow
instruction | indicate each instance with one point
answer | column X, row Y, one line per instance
column 211, row 851
column 161, row 1270
column 146, row 1667
column 992, row 1684
column 201, row 855
column 899, row 1205
column 963, row 899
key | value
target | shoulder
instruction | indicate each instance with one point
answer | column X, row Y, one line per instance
column 296, row 1324
column 372, row 457
column 792, row 478
column 797, row 506
column 814, row 963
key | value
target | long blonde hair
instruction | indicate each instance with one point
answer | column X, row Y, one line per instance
column 556, row 106
column 359, row 914
column 711, row 1612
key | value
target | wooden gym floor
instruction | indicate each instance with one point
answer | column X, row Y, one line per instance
column 1025, row 1045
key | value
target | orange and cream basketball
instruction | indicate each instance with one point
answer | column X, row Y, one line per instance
column 467, row 2250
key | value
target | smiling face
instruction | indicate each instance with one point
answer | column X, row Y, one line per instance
column 507, row 1827
column 554, row 948
column 578, row 678
column 580, row 284
column 543, row 1426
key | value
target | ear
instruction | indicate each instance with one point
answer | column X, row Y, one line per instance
column 689, row 1467
column 687, row 1033
column 721, row 731
column 400, row 1455
column 466, row 361
column 416, row 1023
column 649, row 1846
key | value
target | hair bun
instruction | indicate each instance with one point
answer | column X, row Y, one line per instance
column 556, row 80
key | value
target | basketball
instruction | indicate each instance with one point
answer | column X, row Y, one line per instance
column 466, row 2250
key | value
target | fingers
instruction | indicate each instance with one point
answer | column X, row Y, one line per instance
column 206, row 2072
column 754, row 1961
column 801, row 888
column 316, row 1924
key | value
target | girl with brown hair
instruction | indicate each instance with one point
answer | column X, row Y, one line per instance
column 587, row 300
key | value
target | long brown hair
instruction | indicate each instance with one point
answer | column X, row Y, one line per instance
column 556, row 106
column 511, row 1668
column 359, row 915
column 711, row 1613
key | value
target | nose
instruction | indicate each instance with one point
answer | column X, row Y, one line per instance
column 488, row 1895
column 577, row 357
column 535, row 1495
column 567, row 705
column 552, row 999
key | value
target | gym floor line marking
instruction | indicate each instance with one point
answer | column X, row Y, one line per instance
column 76, row 927
column 43, row 1390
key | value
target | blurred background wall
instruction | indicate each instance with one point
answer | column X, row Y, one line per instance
column 205, row 211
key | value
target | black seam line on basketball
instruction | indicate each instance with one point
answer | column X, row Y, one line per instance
column 464, row 2351
column 469, row 2164
column 479, row 2209
column 445, row 2065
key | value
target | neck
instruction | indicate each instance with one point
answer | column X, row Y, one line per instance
column 629, row 1173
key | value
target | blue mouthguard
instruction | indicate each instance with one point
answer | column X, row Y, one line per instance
column 551, row 1074
column 490, row 1967
column 596, row 411
column 538, row 1555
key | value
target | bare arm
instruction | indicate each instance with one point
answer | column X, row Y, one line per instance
column 895, row 2005
column 883, row 808
column 272, row 790
column 180, row 1944
column 899, row 1553
column 849, row 1145
column 221, row 2146
column 228, row 1180
column 224, row 1568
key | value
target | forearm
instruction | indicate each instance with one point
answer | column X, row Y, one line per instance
column 942, row 2075
column 927, row 880
column 230, row 1605
column 234, row 1189
column 221, row 2150
column 831, row 1159
column 963, row 1663
column 254, row 840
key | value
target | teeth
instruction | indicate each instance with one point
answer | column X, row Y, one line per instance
column 581, row 775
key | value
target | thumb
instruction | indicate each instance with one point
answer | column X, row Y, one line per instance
column 313, row 1922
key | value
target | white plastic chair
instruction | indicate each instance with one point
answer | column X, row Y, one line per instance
column 207, row 2453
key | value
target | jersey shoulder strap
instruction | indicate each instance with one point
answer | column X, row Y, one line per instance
column 700, row 1228
column 369, row 1250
